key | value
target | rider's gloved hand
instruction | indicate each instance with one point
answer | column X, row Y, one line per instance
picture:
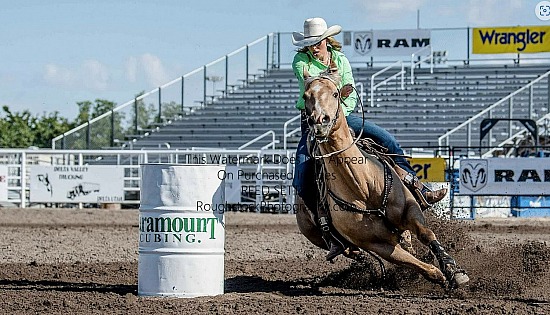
column 346, row 90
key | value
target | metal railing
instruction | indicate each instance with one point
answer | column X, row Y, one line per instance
column 545, row 121
column 287, row 134
column 233, row 70
column 373, row 86
column 506, row 104
column 414, row 63
column 19, row 162
column 260, row 137
column 198, row 88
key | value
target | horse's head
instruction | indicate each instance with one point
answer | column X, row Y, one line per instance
column 322, row 101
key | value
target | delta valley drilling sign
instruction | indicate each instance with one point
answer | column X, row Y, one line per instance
column 77, row 183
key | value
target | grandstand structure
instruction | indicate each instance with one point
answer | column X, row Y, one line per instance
column 417, row 115
column 426, row 106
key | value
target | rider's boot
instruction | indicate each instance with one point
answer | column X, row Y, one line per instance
column 336, row 247
column 433, row 196
column 425, row 196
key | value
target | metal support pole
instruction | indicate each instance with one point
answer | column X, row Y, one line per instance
column 279, row 50
column 267, row 54
column 204, row 86
column 88, row 138
column 23, row 178
column 531, row 101
column 160, row 106
column 112, row 144
column 226, row 74
column 469, row 135
column 182, row 92
column 490, row 131
column 246, row 78
column 135, row 116
column 468, row 45
column 510, row 110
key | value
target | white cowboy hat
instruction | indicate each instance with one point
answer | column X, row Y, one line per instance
column 315, row 30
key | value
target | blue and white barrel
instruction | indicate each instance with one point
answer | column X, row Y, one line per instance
column 181, row 230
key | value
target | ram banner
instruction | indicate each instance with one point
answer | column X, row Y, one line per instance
column 77, row 183
column 390, row 42
column 520, row 39
column 500, row 176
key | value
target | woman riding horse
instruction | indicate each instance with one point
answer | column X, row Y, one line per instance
column 318, row 50
column 366, row 202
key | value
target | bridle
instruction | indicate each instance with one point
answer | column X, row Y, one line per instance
column 336, row 116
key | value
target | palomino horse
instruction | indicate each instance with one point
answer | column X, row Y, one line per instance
column 363, row 183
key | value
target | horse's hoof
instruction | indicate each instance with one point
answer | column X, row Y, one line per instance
column 461, row 278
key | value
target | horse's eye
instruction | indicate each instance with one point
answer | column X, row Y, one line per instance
column 335, row 94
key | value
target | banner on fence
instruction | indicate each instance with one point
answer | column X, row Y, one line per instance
column 77, row 183
column 3, row 183
column 500, row 176
column 520, row 39
column 429, row 169
column 389, row 42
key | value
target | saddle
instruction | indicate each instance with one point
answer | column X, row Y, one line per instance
column 368, row 146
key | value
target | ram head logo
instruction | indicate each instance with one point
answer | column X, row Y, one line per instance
column 473, row 174
column 362, row 42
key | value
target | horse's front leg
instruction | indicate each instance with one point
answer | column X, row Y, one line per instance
column 415, row 221
column 397, row 255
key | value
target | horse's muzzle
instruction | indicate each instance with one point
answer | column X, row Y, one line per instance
column 321, row 124
column 321, row 130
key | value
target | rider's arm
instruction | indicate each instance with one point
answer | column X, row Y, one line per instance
column 344, row 68
column 298, row 65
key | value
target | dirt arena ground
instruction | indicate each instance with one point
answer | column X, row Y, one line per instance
column 85, row 262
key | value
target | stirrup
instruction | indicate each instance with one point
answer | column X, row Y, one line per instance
column 421, row 199
column 334, row 251
column 335, row 246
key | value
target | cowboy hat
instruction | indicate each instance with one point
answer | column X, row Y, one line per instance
column 315, row 30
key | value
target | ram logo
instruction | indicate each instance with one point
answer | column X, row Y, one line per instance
column 362, row 42
column 473, row 175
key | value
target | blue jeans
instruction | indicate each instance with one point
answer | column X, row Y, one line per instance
column 304, row 169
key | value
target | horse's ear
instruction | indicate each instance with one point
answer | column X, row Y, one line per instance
column 306, row 74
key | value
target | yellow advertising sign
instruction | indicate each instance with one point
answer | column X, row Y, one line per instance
column 429, row 169
column 520, row 39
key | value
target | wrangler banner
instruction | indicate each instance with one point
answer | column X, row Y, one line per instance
column 429, row 169
column 520, row 39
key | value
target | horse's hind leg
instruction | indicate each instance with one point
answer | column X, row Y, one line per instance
column 414, row 220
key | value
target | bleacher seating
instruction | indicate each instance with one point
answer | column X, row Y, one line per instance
column 417, row 115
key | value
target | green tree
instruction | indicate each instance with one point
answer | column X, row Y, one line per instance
column 49, row 126
column 96, row 134
column 22, row 130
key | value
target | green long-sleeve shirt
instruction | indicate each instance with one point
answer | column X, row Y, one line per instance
column 315, row 67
